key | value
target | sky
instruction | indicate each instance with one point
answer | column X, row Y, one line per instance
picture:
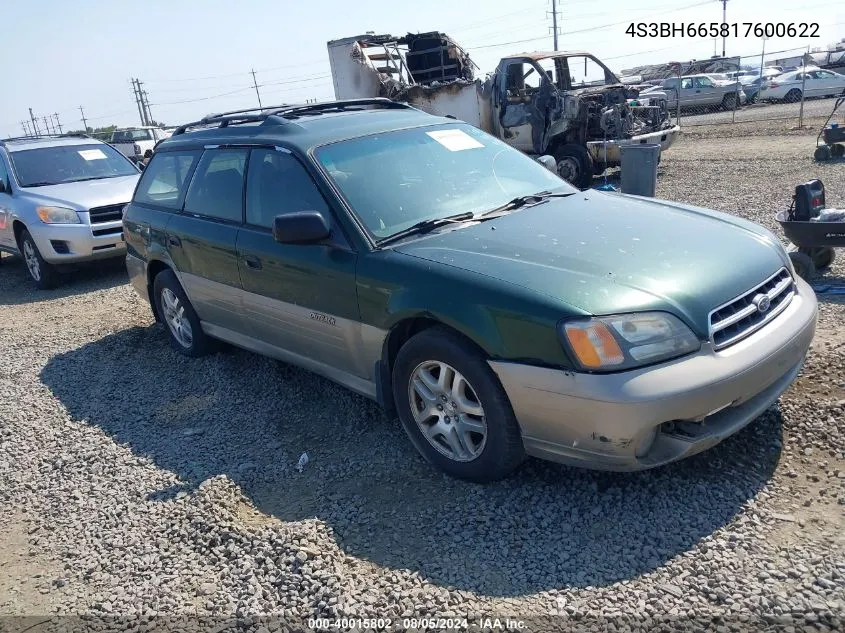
column 196, row 57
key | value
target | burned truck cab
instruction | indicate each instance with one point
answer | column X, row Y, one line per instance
column 570, row 105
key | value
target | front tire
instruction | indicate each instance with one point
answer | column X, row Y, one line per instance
column 575, row 165
column 181, row 321
column 42, row 273
column 454, row 409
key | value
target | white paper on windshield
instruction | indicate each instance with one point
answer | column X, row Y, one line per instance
column 454, row 140
column 92, row 154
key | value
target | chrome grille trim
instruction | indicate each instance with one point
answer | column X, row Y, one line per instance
column 739, row 318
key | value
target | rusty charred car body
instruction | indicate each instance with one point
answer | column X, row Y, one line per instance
column 567, row 104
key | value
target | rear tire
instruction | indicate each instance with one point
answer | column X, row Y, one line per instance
column 575, row 165
column 41, row 272
column 179, row 318
column 822, row 256
column 454, row 409
column 837, row 150
column 793, row 96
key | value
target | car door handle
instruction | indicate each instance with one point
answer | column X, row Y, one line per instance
column 174, row 240
column 252, row 262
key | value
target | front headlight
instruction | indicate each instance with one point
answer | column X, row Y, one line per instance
column 57, row 215
column 623, row 341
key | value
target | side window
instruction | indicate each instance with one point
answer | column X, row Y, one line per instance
column 704, row 82
column 585, row 71
column 686, row 84
column 165, row 179
column 534, row 78
column 4, row 173
column 217, row 187
column 276, row 184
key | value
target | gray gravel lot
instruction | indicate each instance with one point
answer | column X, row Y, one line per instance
column 138, row 482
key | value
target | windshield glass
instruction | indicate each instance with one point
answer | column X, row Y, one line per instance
column 69, row 163
column 397, row 179
column 125, row 136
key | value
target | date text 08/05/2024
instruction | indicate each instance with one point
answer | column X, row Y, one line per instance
column 723, row 29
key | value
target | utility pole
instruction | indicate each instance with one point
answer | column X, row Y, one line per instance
column 58, row 123
column 554, row 21
column 135, row 92
column 724, row 21
column 84, row 122
column 145, row 100
column 25, row 130
column 46, row 125
column 34, row 122
column 255, row 83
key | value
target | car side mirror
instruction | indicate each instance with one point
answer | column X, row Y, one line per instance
column 548, row 162
column 300, row 227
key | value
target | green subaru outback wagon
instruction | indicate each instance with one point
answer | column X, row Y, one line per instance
column 495, row 309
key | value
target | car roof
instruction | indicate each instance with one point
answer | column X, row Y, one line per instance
column 35, row 142
column 307, row 131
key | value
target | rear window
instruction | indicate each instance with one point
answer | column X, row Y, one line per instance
column 128, row 136
column 217, row 188
column 165, row 180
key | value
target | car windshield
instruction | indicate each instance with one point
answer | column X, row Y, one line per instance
column 126, row 136
column 398, row 179
column 69, row 163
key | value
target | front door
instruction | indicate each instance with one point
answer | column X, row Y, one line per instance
column 201, row 240
column 300, row 298
column 527, row 94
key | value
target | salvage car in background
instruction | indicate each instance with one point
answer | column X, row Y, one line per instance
column 61, row 199
column 432, row 267
column 699, row 91
column 136, row 141
column 565, row 104
column 810, row 82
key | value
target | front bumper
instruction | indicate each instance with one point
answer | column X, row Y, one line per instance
column 601, row 420
column 665, row 138
column 72, row 243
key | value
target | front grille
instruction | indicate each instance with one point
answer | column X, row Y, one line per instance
column 744, row 315
column 115, row 230
column 110, row 213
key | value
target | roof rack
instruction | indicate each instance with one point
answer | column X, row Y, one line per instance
column 40, row 136
column 278, row 114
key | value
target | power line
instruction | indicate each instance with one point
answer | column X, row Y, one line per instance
column 225, row 94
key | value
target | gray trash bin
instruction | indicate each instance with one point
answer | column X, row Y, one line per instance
column 639, row 168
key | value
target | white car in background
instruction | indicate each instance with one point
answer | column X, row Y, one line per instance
column 811, row 82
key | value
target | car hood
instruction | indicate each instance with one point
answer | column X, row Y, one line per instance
column 604, row 253
column 87, row 194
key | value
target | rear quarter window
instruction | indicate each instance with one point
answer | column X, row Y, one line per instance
column 165, row 180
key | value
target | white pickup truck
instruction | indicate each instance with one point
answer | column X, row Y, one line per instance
column 134, row 142
column 566, row 104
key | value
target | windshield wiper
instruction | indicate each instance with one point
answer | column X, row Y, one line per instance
column 522, row 201
column 40, row 183
column 427, row 225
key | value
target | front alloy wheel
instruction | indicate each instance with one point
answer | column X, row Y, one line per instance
column 174, row 316
column 43, row 273
column 447, row 411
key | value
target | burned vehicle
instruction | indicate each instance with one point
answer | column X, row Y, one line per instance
column 566, row 104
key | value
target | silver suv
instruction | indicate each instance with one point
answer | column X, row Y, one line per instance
column 61, row 202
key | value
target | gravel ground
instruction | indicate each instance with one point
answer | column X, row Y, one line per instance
column 136, row 482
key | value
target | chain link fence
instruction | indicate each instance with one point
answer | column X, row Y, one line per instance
column 785, row 85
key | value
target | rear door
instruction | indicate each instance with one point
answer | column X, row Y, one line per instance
column 201, row 240
column 7, row 238
column 301, row 298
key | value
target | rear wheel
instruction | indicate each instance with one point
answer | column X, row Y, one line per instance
column 837, row 150
column 42, row 273
column 454, row 409
column 793, row 96
column 575, row 165
column 822, row 256
column 179, row 317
